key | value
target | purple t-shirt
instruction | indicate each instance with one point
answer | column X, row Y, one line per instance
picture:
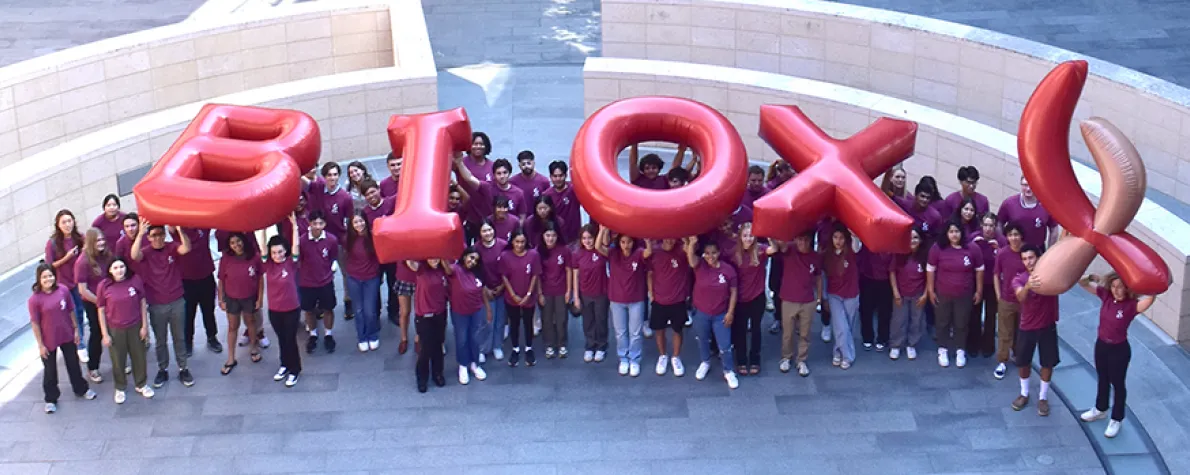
column 592, row 272
column 531, row 186
column 843, row 282
column 911, row 276
column 1114, row 316
column 873, row 265
column 250, row 246
column 671, row 275
column 387, row 204
column 65, row 274
column 751, row 195
column 713, row 286
column 534, row 226
column 568, row 212
column 389, row 187
column 240, row 277
column 336, row 206
column 198, row 263
column 482, row 172
column 280, row 280
column 752, row 276
column 954, row 269
column 121, row 301
column 928, row 219
column 315, row 259
column 627, row 276
column 952, row 202
column 112, row 230
column 429, row 297
column 1037, row 311
column 490, row 256
column 520, row 271
column 659, row 182
column 555, row 263
column 506, row 226
column 361, row 265
column 1034, row 222
column 161, row 270
column 466, row 291
column 798, row 280
column 53, row 312
column 84, row 274
column 989, row 254
column 1008, row 264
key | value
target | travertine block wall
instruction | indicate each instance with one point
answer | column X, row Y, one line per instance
column 926, row 61
column 939, row 151
column 49, row 100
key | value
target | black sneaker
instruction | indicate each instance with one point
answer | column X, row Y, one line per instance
column 530, row 359
column 348, row 314
column 189, row 349
column 214, row 345
column 311, row 344
column 186, row 378
column 439, row 380
column 161, row 379
column 422, row 387
column 329, row 343
column 513, row 357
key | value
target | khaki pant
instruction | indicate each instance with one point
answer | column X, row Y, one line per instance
column 126, row 343
column 799, row 316
column 1008, row 317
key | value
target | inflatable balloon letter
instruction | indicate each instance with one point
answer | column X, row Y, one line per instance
column 235, row 168
column 659, row 214
column 834, row 177
column 420, row 226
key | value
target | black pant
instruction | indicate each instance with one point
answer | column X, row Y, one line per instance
column 95, row 339
column 200, row 293
column 875, row 297
column 981, row 330
column 49, row 379
column 432, row 332
column 285, row 324
column 750, row 311
column 517, row 316
column 1111, row 362
column 389, row 271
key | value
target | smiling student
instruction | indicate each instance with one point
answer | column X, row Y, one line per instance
column 430, row 298
column 669, row 280
column 50, row 308
column 281, row 288
column 61, row 251
column 520, row 271
column 589, row 265
column 715, row 295
column 90, row 269
column 240, row 287
column 124, row 322
column 470, row 307
column 319, row 252
column 160, row 267
column 111, row 221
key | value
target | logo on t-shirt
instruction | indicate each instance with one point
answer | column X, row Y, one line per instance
column 200, row 234
column 560, row 260
column 170, row 259
column 722, row 280
column 966, row 261
column 325, row 253
column 925, row 227
column 633, row 267
column 674, row 263
column 478, row 283
column 846, row 264
column 528, row 268
column 594, row 257
column 284, row 273
column 251, row 272
column 62, row 304
column 132, row 291
column 919, row 269
column 1037, row 222
column 565, row 200
column 487, row 177
column 335, row 208
column 811, row 268
column 1119, row 314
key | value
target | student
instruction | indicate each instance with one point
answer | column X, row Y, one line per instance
column 966, row 215
column 875, row 298
column 376, row 206
column 750, row 260
column 1024, row 210
column 159, row 265
column 556, row 287
column 893, row 185
column 646, row 172
column 981, row 330
column 801, row 292
column 357, row 173
column 326, row 194
column 520, row 273
column 390, row 184
column 589, row 267
column 543, row 215
column 281, row 288
column 61, row 251
column 470, row 307
column 531, row 183
column 954, row 282
column 841, row 268
column 565, row 202
column 1112, row 351
column 1038, row 331
column 198, row 287
column 90, row 269
column 907, row 279
column 502, row 220
column 776, row 269
column 715, row 295
column 627, row 293
column 50, row 309
column 486, row 192
column 111, row 221
column 756, row 188
column 668, row 282
column 430, row 299
column 363, row 279
column 823, row 243
column 124, row 323
column 319, row 252
column 301, row 213
column 123, row 246
column 968, row 181
column 779, row 172
column 477, row 158
column 925, row 216
column 1008, row 310
column 240, row 287
column 490, row 250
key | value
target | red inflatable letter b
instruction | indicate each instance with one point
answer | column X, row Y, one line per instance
column 235, row 168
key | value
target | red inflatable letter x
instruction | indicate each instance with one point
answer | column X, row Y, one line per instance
column 834, row 177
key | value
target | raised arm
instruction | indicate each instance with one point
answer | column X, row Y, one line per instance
column 1145, row 302
column 296, row 245
column 602, row 240
column 679, row 157
column 633, row 164
column 648, row 250
column 185, row 246
column 464, row 174
column 136, row 253
column 1089, row 282
column 691, row 259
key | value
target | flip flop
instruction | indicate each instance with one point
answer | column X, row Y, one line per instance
column 228, row 367
column 741, row 370
column 755, row 369
column 256, row 357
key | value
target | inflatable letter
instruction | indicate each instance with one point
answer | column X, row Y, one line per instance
column 235, row 168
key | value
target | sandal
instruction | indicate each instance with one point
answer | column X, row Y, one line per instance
column 754, row 370
column 256, row 357
column 741, row 370
column 228, row 367
column 403, row 347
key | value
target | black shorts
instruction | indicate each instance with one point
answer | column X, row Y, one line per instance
column 320, row 298
column 1045, row 340
column 672, row 316
column 404, row 289
column 238, row 306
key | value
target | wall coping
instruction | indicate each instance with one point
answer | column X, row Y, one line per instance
column 1153, row 216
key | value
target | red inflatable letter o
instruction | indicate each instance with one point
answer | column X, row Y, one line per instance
column 420, row 226
column 658, row 214
column 235, row 168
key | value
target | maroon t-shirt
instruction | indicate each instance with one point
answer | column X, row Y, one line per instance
column 659, row 182
column 361, row 265
column 520, row 271
column 506, row 226
column 385, row 209
column 712, row 287
column 752, row 276
column 671, row 275
column 751, row 195
column 240, row 277
column 799, row 277
column 555, row 263
column 928, row 219
column 1037, row 311
column 161, row 270
column 534, row 226
column 911, row 276
column 989, row 254
column 874, row 265
column 482, row 172
column 592, row 272
column 1034, row 221
column 466, row 291
column 568, row 212
column 53, row 312
column 952, row 202
column 954, row 269
column 121, row 301
column 490, row 256
column 336, row 206
column 626, row 283
column 531, row 186
column 198, row 263
column 1008, row 265
column 430, row 295
column 280, row 280
column 84, row 274
column 112, row 230
column 843, row 282
column 250, row 246
column 389, row 187
column 65, row 274
column 315, row 259
column 1114, row 316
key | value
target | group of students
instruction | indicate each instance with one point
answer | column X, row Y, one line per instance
column 528, row 255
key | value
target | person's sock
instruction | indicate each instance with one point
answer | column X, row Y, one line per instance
column 1025, row 387
column 314, row 333
column 328, row 332
column 1045, row 390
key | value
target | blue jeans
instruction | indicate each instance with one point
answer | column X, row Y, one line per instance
column 629, row 320
column 704, row 324
column 79, row 316
column 844, row 314
column 366, row 295
column 466, row 327
column 491, row 336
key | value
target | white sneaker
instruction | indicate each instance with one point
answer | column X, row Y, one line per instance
column 911, row 353
column 634, row 369
column 1093, row 415
column 802, row 369
column 943, row 358
column 374, row 345
column 1113, row 429
column 464, row 375
column 845, row 364
column 264, row 342
column 120, row 397
column 549, row 353
column 703, row 369
column 498, row 353
column 483, row 358
column 960, row 358
column 146, row 392
column 1000, row 371
column 83, row 356
column 94, row 376
column 623, row 367
column 600, row 356
column 89, row 395
column 836, row 361
column 51, row 408
column 662, row 364
column 478, row 371
column 648, row 332
column 826, row 333
column 242, row 340
column 784, row 366
column 363, row 347
column 562, row 352
column 281, row 372
column 588, row 356
column 732, row 381
column 894, row 354
column 679, row 369
column 291, row 380
column 689, row 319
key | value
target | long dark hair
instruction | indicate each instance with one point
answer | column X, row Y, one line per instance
column 547, row 227
column 352, row 235
column 243, row 243
column 352, row 184
column 923, row 246
column 519, row 231
column 128, row 272
column 42, row 267
column 277, row 240
column 944, row 239
column 60, row 238
column 833, row 263
column 930, row 182
column 549, row 202
column 478, row 270
column 958, row 212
